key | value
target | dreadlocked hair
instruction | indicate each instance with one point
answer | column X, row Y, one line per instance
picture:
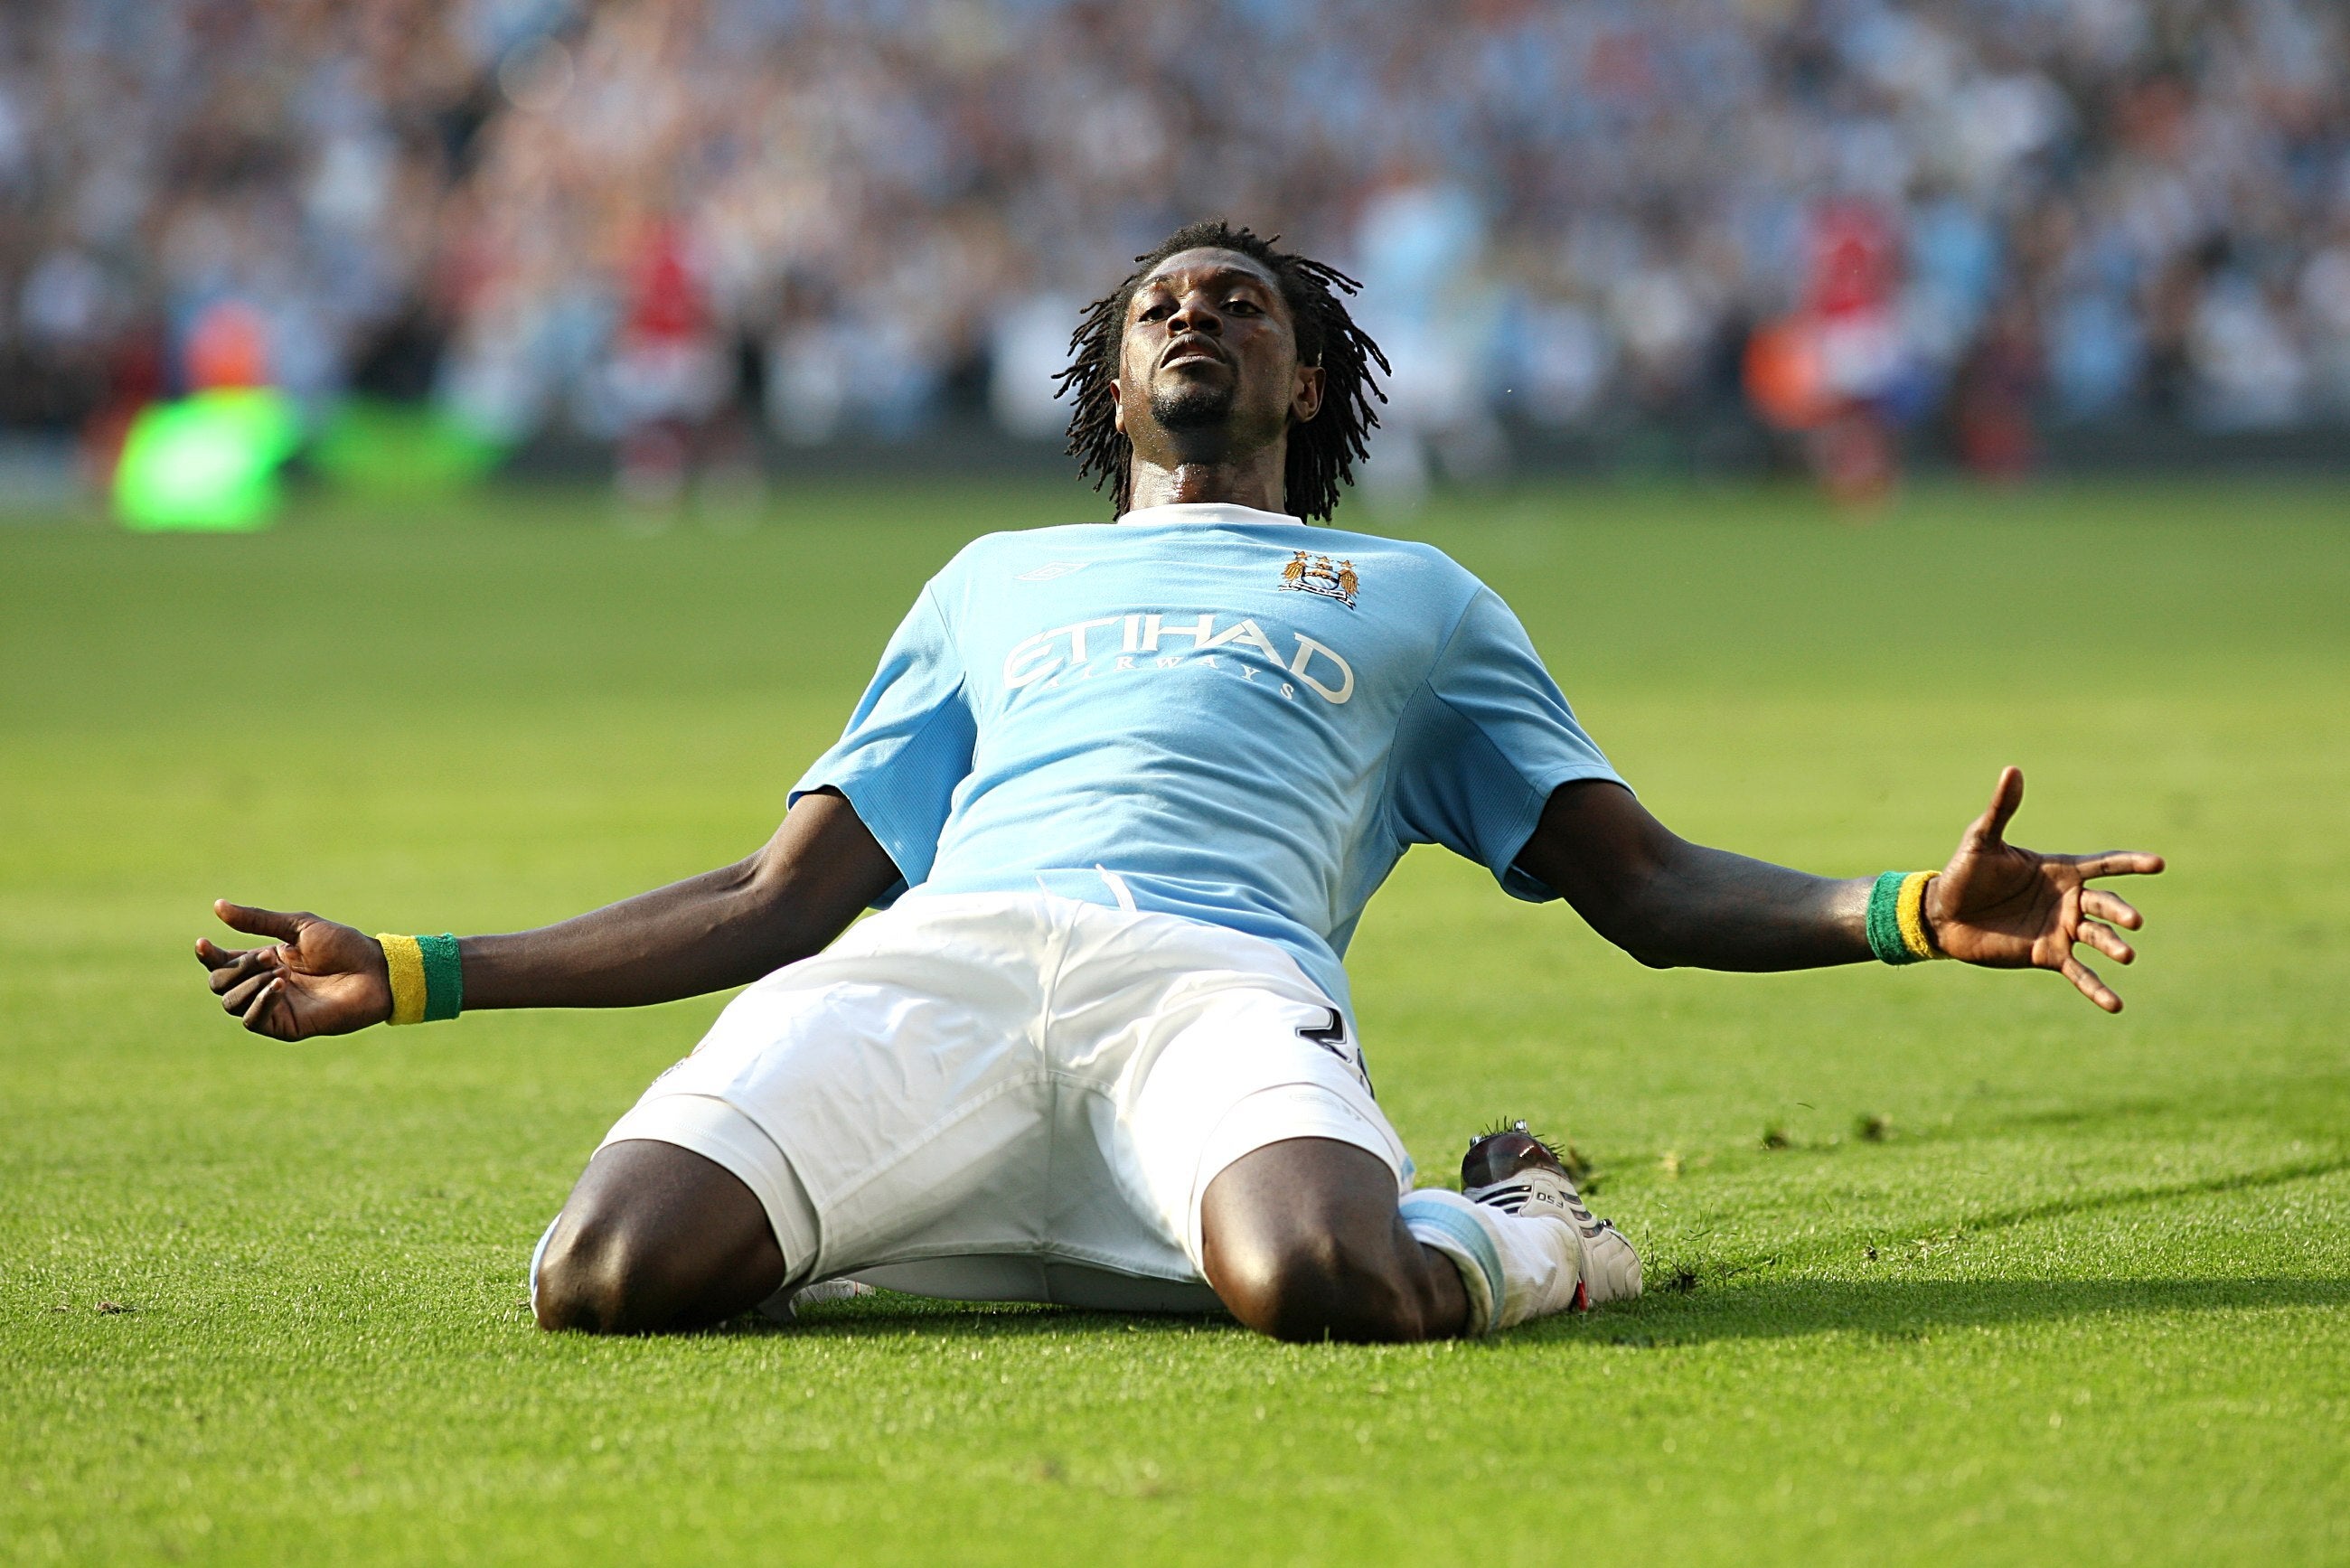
column 1322, row 453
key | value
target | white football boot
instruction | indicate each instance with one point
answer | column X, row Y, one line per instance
column 781, row 1307
column 1518, row 1173
column 1513, row 1235
column 785, row 1306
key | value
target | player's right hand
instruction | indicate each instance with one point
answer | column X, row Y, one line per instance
column 315, row 978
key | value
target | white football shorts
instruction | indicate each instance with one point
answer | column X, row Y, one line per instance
column 1014, row 1097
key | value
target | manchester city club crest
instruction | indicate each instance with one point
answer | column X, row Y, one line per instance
column 1318, row 574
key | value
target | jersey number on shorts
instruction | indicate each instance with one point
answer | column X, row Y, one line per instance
column 1332, row 1037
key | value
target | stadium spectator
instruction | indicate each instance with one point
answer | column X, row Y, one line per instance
column 2105, row 209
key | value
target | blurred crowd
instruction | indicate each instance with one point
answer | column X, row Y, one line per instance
column 689, row 225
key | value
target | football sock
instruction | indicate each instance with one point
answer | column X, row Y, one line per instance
column 1446, row 1222
column 1512, row 1268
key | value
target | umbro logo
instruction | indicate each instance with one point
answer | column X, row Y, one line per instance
column 1317, row 574
column 1050, row 570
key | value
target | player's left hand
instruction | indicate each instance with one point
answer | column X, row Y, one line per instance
column 2008, row 908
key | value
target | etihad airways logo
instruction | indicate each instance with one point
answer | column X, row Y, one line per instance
column 1146, row 642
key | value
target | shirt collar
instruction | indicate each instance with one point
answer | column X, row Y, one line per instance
column 1209, row 512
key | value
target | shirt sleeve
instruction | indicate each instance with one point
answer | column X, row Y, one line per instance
column 1485, row 742
column 907, row 746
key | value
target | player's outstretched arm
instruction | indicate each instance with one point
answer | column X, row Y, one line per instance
column 721, row 929
column 1671, row 903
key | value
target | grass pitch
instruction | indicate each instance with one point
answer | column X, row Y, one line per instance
column 1945, row 1264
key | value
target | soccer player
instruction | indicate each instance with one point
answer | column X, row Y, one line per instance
column 1121, row 792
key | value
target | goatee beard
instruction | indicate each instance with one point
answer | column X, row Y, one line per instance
column 1191, row 408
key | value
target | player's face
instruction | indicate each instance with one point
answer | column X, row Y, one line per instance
column 1210, row 351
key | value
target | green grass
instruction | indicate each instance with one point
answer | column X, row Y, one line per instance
column 2083, row 1301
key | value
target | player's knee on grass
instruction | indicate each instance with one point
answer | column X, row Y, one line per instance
column 1302, row 1242
column 595, row 1276
column 1311, row 1288
column 655, row 1237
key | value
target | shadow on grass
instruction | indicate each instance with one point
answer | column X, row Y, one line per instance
column 891, row 1315
column 2240, row 1181
column 1915, row 1309
column 1721, row 1269
column 1703, row 1305
column 1765, row 1309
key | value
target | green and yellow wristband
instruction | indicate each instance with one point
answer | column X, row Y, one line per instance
column 1897, row 918
column 427, row 983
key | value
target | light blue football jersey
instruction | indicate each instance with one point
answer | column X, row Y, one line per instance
column 1210, row 712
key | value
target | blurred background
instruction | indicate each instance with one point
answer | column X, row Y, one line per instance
column 692, row 246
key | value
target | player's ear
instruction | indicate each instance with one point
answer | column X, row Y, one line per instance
column 1307, row 400
column 1116, row 407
